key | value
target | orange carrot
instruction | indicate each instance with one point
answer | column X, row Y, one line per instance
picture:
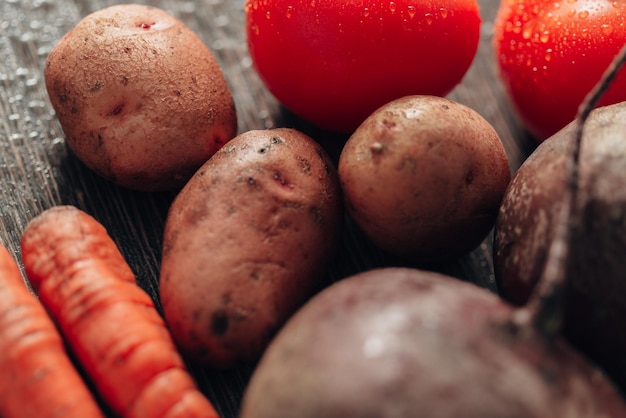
column 37, row 377
column 109, row 322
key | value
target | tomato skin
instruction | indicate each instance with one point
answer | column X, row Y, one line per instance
column 333, row 62
column 551, row 53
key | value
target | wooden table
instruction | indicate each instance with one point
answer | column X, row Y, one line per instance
column 37, row 171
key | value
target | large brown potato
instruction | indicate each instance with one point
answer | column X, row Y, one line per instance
column 140, row 98
column 423, row 177
column 246, row 241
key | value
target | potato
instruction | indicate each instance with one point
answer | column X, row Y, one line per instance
column 246, row 242
column 423, row 177
column 407, row 343
column 140, row 98
column 596, row 268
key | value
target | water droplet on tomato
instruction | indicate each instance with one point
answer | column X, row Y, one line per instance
column 607, row 29
column 548, row 55
column 527, row 32
column 544, row 37
column 366, row 11
column 313, row 4
column 443, row 12
column 583, row 14
column 392, row 6
column 511, row 46
column 411, row 11
column 429, row 18
column 289, row 12
column 268, row 14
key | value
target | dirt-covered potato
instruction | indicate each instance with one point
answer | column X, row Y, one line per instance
column 423, row 177
column 400, row 343
column 246, row 242
column 142, row 101
column 596, row 266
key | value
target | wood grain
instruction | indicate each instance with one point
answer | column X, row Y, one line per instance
column 37, row 171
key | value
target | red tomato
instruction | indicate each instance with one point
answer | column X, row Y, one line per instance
column 552, row 53
column 333, row 62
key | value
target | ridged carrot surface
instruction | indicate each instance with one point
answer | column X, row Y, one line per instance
column 109, row 322
column 38, row 378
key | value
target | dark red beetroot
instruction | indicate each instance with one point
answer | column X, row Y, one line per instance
column 596, row 267
column 406, row 343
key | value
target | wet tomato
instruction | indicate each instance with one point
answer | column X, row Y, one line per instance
column 333, row 62
column 551, row 53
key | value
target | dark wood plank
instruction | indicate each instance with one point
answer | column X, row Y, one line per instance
column 37, row 171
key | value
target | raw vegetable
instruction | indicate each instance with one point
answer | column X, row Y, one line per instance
column 141, row 100
column 551, row 53
column 108, row 321
column 596, row 266
column 335, row 62
column 38, row 377
column 403, row 343
column 424, row 176
column 246, row 242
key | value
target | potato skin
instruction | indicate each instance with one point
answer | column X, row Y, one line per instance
column 141, row 100
column 596, row 270
column 423, row 177
column 246, row 242
column 401, row 343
